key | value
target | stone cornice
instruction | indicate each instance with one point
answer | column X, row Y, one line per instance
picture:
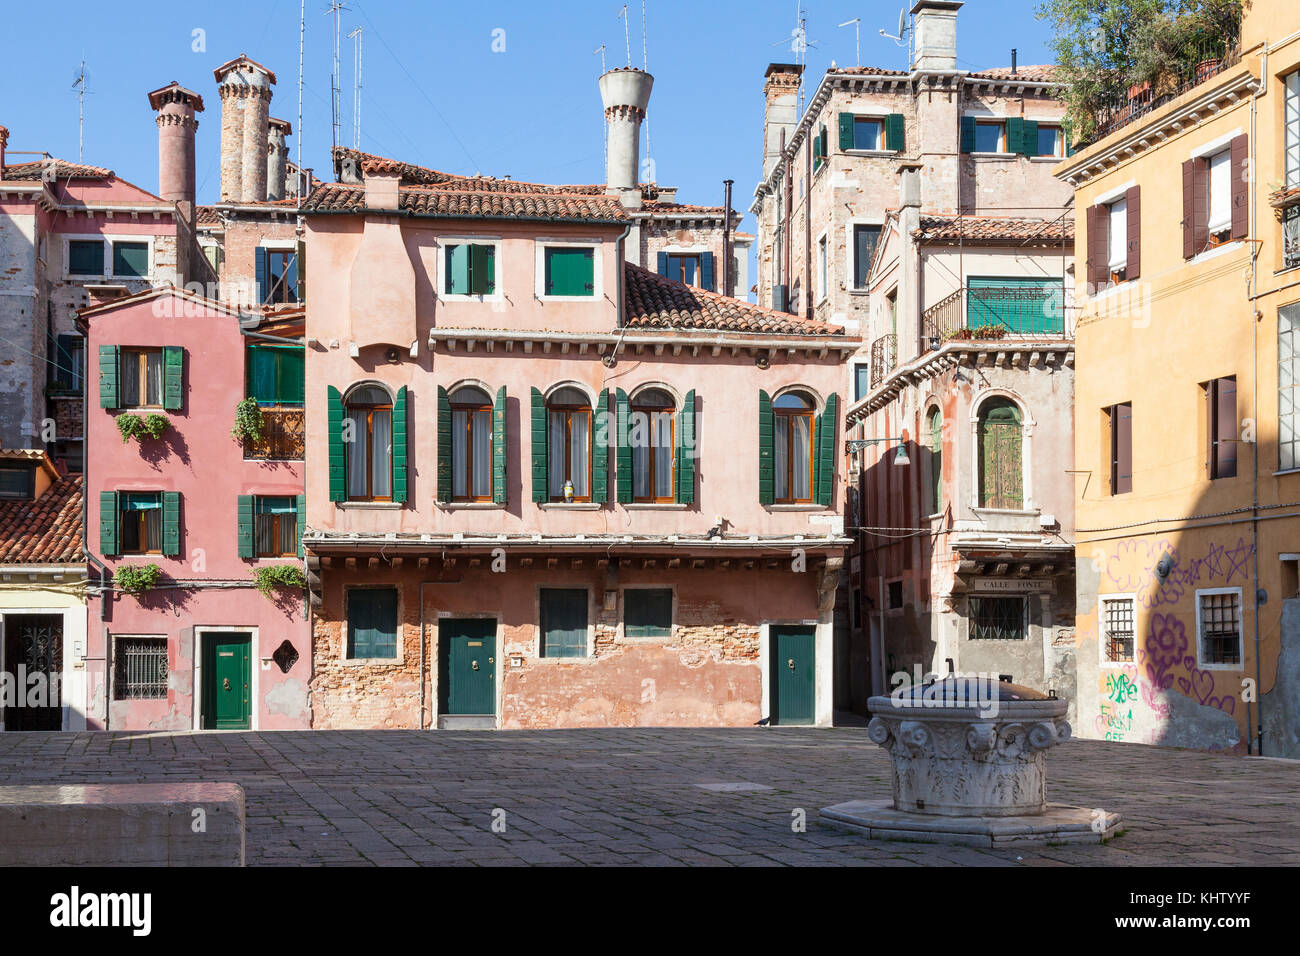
column 600, row 344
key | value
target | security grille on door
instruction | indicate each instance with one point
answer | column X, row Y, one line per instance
column 1119, row 630
column 140, row 671
column 997, row 619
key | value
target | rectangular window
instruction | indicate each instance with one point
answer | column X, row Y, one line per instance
column 1218, row 627
column 276, row 374
column 131, row 260
column 1291, row 237
column 1221, row 421
column 372, row 623
column 1051, row 141
column 563, row 615
column 648, row 612
column 1117, row 638
column 865, row 239
column 868, row 133
column 1120, row 422
column 17, row 482
column 1220, row 199
column 139, row 668
column 85, row 257
column 1288, row 386
column 1117, row 254
column 470, row 269
column 281, row 277
column 69, row 362
column 277, row 527
column 997, row 619
column 140, row 522
column 685, row 268
column 894, row 595
column 142, row 378
column 861, row 381
column 570, row 271
column 1291, row 134
column 990, row 137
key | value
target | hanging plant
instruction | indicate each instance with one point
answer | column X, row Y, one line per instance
column 272, row 576
column 141, row 427
column 248, row 421
column 136, row 579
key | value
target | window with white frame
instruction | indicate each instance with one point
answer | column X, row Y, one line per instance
column 102, row 257
column 568, row 271
column 866, row 236
column 1220, row 198
column 1218, row 627
column 468, row 267
column 1291, row 162
column 1118, row 615
column 1288, row 387
column 1117, row 253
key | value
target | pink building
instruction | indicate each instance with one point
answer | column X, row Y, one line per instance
column 199, row 648
column 550, row 488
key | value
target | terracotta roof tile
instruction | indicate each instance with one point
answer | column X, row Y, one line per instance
column 1041, row 73
column 654, row 302
column 994, row 228
column 44, row 531
column 468, row 204
column 206, row 216
column 63, row 169
column 866, row 71
column 655, row 205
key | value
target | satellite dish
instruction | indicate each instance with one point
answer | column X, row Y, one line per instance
column 902, row 21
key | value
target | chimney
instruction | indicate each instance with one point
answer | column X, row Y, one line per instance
column 176, row 108
column 245, row 89
column 934, row 34
column 781, row 115
column 4, row 139
column 277, row 157
column 626, row 94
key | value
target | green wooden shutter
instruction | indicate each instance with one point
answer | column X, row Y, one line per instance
column 1029, row 138
column 706, row 272
column 766, row 462
column 259, row 267
column 300, row 513
column 894, row 132
column 846, row 131
column 540, row 492
column 173, row 376
column 817, row 152
column 825, row 472
column 600, row 452
column 399, row 446
column 624, row 448
column 662, row 262
column 1067, row 130
column 686, row 451
column 444, row 445
column 171, row 523
column 244, row 527
column 499, row 439
column 334, row 423
column 478, row 269
column 300, row 254
column 968, row 134
column 1015, row 134
column 108, row 522
column 108, row 377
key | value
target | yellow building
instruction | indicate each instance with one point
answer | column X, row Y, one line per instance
column 1187, row 411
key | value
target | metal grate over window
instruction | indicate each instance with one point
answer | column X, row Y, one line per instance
column 997, row 619
column 140, row 669
column 1119, row 630
column 1220, row 628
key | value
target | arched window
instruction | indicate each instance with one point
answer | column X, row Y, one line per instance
column 1001, row 462
column 792, row 433
column 369, row 411
column 650, row 432
column 934, row 426
column 568, row 433
column 471, row 444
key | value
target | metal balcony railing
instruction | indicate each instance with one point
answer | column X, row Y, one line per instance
column 283, row 435
column 884, row 356
column 995, row 313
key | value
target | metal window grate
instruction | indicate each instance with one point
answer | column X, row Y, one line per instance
column 1221, row 628
column 997, row 619
column 1119, row 631
column 140, row 669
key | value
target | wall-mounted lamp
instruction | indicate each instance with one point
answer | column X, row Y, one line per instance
column 855, row 445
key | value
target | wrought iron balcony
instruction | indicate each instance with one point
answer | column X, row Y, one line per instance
column 995, row 313
column 884, row 356
column 283, row 435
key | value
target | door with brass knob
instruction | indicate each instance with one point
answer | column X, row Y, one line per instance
column 793, row 675
column 227, row 678
column 467, row 666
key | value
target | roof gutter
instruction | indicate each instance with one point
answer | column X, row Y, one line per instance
column 411, row 214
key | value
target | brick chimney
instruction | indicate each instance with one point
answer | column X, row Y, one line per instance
column 625, row 93
column 176, row 108
column 781, row 115
column 277, row 156
column 245, row 89
column 934, row 33
column 4, row 139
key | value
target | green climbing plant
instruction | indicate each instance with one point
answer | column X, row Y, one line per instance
column 140, row 427
column 136, row 578
column 271, row 576
column 248, row 421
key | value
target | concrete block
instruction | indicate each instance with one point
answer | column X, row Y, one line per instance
column 172, row 824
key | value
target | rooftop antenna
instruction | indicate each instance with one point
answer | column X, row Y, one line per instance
column 604, row 131
column 302, row 30
column 335, row 8
column 627, row 37
column 904, row 30
column 645, row 65
column 857, row 38
column 79, row 84
column 799, row 44
column 356, row 90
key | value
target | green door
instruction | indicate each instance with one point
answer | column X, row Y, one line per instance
column 227, row 692
column 794, row 697
column 467, row 655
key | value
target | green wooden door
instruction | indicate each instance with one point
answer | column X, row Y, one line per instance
column 793, row 683
column 227, row 690
column 467, row 653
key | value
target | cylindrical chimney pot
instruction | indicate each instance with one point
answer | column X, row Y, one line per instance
column 625, row 93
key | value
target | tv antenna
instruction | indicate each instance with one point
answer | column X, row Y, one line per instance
column 302, row 34
column 356, row 88
column 627, row 36
column 799, row 44
column 902, row 28
column 335, row 8
column 857, row 38
column 80, row 83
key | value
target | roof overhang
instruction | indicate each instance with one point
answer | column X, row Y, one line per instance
column 602, row 343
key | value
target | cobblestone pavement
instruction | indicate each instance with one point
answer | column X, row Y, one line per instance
column 634, row 796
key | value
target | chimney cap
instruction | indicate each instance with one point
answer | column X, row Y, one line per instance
column 161, row 97
column 795, row 68
column 285, row 125
column 953, row 5
column 243, row 59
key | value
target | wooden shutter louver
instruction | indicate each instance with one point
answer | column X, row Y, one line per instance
column 538, row 447
column 260, row 272
column 300, row 512
column 706, row 272
column 108, row 522
column 444, row 484
column 1189, row 209
column 173, row 377
column 109, row 395
column 687, row 451
column 766, row 460
column 244, row 520
column 846, row 131
column 334, row 425
column 1241, row 175
column 825, row 470
column 1200, row 206
column 894, row 132
column 499, row 439
column 968, row 134
column 1133, row 215
column 624, row 453
column 600, row 450
column 399, row 445
column 171, row 523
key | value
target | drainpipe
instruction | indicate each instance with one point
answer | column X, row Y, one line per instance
column 422, row 585
column 1256, row 316
column 726, row 239
column 807, row 224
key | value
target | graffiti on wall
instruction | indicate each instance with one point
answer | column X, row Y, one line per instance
column 1131, row 568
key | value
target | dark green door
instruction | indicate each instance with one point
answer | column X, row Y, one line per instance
column 227, row 692
column 794, row 692
column 467, row 655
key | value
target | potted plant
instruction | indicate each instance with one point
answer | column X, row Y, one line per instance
column 140, row 427
column 135, row 579
column 271, row 576
column 248, row 421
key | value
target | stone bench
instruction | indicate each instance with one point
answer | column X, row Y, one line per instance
column 133, row 824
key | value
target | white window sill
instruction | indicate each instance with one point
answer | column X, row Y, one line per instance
column 799, row 507
column 666, row 639
column 655, row 506
column 994, row 155
column 1019, row 512
column 470, row 506
column 372, row 661
column 570, row 505
column 1045, row 159
column 1220, row 250
column 1287, row 471
column 370, row 505
column 457, row 297
column 871, row 152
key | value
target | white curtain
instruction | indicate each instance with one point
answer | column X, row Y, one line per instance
column 482, row 453
column 381, row 484
column 801, row 450
column 663, row 438
column 781, row 460
column 1220, row 191
column 579, row 451
column 459, row 475
column 155, row 378
column 555, row 452
column 639, row 439
column 1118, row 235
column 357, row 454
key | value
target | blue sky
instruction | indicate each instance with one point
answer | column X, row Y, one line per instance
column 435, row 93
